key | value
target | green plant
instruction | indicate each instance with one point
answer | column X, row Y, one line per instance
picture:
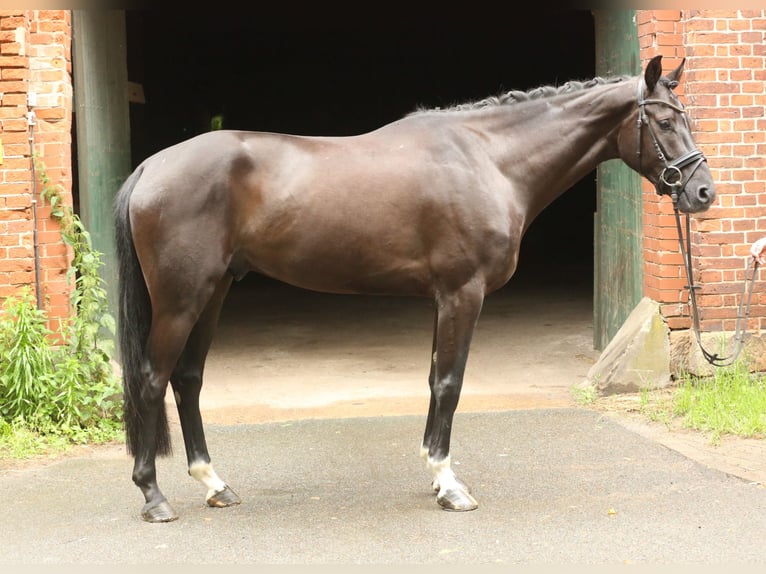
column 584, row 394
column 89, row 296
column 26, row 363
column 68, row 390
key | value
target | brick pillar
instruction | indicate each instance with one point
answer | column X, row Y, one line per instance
column 35, row 76
column 664, row 278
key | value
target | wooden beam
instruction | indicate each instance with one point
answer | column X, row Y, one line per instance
column 103, row 127
column 618, row 233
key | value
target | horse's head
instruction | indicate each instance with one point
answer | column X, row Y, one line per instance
column 663, row 149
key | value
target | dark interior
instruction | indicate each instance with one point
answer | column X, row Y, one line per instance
column 313, row 73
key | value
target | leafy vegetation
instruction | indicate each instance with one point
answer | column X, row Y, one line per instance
column 59, row 389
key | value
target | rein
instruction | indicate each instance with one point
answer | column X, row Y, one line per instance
column 672, row 178
column 744, row 302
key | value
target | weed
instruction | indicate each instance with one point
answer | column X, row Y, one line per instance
column 68, row 393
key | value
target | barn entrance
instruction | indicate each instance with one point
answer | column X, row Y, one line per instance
column 329, row 77
column 317, row 75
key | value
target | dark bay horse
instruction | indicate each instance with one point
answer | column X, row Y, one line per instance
column 434, row 204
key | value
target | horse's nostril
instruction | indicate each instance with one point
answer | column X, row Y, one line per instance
column 704, row 194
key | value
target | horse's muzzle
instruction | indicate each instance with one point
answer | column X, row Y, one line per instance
column 694, row 198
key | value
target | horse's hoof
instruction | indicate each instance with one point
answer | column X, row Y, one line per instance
column 161, row 512
column 436, row 487
column 226, row 497
column 457, row 500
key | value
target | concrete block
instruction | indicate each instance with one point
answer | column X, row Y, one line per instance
column 637, row 357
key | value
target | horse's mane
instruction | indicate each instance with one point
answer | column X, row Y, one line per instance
column 516, row 96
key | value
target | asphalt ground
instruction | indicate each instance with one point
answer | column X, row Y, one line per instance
column 555, row 486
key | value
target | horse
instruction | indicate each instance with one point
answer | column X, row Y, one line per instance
column 434, row 204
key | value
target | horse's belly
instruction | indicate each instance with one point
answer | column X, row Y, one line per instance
column 345, row 268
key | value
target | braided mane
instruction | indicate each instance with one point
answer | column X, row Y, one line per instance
column 516, row 96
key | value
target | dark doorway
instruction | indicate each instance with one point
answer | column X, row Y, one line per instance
column 314, row 73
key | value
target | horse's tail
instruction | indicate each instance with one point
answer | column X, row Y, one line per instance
column 134, row 322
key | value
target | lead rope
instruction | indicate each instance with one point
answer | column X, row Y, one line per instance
column 747, row 294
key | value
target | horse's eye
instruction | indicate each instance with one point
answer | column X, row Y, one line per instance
column 666, row 125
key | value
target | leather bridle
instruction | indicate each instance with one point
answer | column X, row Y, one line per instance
column 671, row 176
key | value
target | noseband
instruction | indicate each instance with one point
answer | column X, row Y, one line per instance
column 671, row 176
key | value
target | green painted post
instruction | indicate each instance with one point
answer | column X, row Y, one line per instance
column 102, row 117
column 619, row 274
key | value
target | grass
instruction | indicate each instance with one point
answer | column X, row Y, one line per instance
column 24, row 440
column 19, row 442
column 731, row 402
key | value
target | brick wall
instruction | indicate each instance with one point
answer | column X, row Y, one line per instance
column 723, row 89
column 35, row 57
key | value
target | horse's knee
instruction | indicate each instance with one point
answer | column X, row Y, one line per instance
column 446, row 393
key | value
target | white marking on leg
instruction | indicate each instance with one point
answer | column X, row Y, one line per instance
column 424, row 456
column 177, row 397
column 444, row 477
column 203, row 471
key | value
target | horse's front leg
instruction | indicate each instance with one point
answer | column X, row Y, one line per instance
column 456, row 316
column 186, row 381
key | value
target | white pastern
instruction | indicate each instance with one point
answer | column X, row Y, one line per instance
column 203, row 471
column 424, row 456
column 444, row 478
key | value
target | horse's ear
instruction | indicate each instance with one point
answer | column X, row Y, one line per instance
column 675, row 75
column 653, row 73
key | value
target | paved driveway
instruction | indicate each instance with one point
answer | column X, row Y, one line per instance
column 554, row 486
column 315, row 408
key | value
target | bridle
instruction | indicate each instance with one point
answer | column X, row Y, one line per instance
column 671, row 177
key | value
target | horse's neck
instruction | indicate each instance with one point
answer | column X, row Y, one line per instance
column 545, row 146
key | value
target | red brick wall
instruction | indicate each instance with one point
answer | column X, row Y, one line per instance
column 35, row 57
column 723, row 89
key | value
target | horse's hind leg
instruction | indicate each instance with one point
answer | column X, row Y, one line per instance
column 166, row 341
column 174, row 316
column 456, row 316
column 186, row 381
